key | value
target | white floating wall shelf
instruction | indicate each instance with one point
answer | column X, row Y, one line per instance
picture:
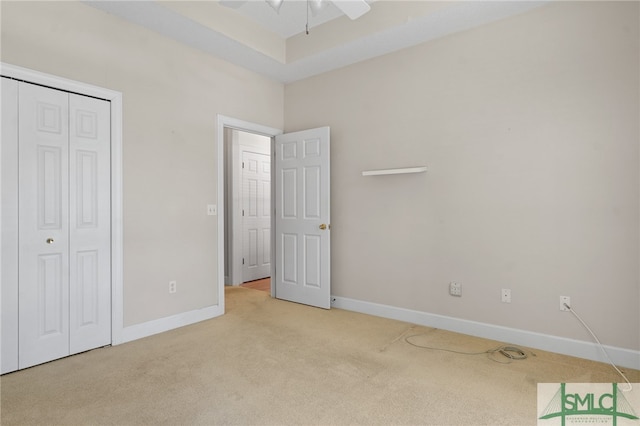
column 403, row 170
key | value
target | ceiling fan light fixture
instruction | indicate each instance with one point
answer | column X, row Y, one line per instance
column 317, row 6
column 275, row 4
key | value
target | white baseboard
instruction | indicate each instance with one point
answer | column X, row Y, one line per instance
column 149, row 328
column 581, row 349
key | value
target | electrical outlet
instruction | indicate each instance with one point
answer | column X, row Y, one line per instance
column 212, row 209
column 173, row 286
column 455, row 289
column 506, row 295
column 563, row 300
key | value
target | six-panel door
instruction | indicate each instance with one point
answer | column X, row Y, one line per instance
column 302, row 217
column 256, row 219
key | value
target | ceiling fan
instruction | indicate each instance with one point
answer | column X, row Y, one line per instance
column 352, row 8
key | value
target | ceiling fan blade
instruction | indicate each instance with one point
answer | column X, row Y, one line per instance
column 352, row 8
column 233, row 4
column 275, row 4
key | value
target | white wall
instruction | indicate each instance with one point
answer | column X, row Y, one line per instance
column 171, row 95
column 529, row 127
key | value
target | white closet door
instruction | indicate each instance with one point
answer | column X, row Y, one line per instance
column 90, row 231
column 56, row 224
column 9, row 211
column 44, row 224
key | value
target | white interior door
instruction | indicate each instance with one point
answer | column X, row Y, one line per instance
column 43, row 224
column 256, row 220
column 302, row 217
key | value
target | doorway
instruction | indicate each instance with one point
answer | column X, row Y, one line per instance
column 229, row 271
column 300, row 244
column 247, row 205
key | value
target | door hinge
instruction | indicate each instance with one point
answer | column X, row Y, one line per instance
column 243, row 164
column 242, row 212
column 243, row 260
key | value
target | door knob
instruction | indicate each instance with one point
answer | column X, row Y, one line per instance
column 49, row 240
column 323, row 226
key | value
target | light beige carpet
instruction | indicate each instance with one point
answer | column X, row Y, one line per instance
column 272, row 362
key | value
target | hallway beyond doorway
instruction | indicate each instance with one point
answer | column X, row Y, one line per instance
column 263, row 284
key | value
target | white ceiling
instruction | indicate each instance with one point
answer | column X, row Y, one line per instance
column 385, row 38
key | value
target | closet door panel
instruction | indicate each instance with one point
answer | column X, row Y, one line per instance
column 90, row 224
column 43, row 226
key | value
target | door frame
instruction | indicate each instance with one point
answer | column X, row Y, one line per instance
column 245, row 126
column 115, row 99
